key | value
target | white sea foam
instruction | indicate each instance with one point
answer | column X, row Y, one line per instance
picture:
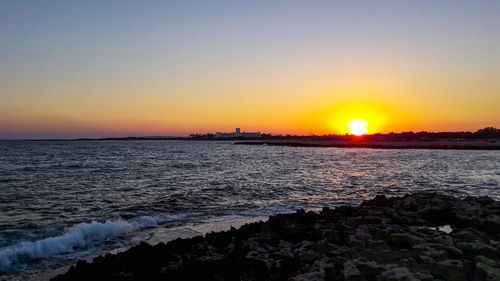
column 78, row 237
column 266, row 211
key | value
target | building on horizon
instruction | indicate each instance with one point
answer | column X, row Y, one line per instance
column 238, row 134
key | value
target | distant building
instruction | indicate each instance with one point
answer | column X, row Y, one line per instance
column 238, row 134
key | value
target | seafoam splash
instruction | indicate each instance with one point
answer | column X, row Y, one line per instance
column 77, row 238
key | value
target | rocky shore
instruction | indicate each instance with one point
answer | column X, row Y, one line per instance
column 424, row 236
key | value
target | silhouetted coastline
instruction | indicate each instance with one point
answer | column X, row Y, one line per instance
column 488, row 134
column 360, row 143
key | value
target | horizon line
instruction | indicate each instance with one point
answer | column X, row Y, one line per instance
column 160, row 137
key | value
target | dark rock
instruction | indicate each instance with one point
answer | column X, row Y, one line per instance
column 383, row 239
column 486, row 272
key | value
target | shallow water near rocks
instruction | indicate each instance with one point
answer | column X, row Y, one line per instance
column 61, row 200
column 444, row 228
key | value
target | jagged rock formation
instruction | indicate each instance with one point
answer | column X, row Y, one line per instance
column 382, row 239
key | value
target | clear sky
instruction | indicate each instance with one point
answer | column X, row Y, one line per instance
column 117, row 68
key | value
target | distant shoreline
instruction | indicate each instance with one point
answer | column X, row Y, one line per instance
column 460, row 139
column 438, row 144
column 479, row 144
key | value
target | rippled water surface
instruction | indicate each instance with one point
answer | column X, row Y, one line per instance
column 59, row 200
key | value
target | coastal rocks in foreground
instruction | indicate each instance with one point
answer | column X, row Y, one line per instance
column 399, row 238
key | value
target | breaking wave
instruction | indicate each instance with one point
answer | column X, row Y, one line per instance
column 77, row 238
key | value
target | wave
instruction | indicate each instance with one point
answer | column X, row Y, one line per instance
column 79, row 237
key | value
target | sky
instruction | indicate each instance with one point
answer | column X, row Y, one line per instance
column 71, row 69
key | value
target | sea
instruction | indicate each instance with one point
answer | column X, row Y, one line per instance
column 62, row 200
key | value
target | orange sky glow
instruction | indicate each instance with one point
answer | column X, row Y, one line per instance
column 173, row 69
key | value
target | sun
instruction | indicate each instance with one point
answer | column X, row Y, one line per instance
column 357, row 126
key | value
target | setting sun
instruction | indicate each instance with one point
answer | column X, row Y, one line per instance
column 357, row 126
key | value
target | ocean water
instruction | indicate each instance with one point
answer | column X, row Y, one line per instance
column 64, row 199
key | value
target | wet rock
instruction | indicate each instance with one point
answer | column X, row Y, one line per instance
column 472, row 249
column 351, row 272
column 398, row 274
column 450, row 270
column 486, row 272
column 404, row 240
